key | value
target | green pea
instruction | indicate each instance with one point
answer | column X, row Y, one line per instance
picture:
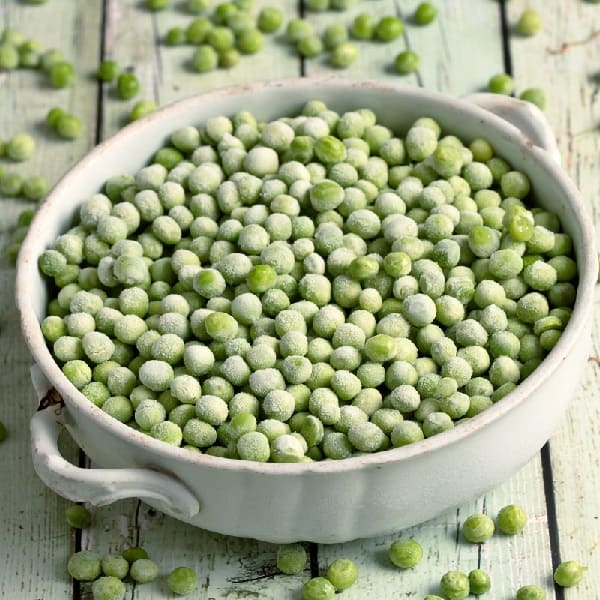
column 569, row 573
column 406, row 553
column 78, row 516
column 425, row 14
column 128, row 86
column 501, row 84
column 407, row 62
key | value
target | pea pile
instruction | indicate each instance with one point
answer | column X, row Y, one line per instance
column 313, row 287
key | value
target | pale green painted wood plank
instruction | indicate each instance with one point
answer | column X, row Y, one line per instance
column 375, row 59
column 35, row 540
column 228, row 568
column 164, row 72
column 561, row 61
column 461, row 49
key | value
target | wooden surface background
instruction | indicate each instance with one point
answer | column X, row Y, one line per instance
column 470, row 41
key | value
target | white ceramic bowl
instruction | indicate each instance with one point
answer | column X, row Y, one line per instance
column 328, row 501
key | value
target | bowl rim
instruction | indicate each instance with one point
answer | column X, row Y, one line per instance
column 587, row 263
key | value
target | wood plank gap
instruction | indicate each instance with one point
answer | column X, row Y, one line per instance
column 551, row 513
column 505, row 28
column 302, row 12
column 100, row 94
column 158, row 77
column 313, row 552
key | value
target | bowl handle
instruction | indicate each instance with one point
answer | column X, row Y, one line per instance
column 100, row 486
column 525, row 116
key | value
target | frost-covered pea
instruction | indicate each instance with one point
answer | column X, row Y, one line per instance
column 156, row 375
column 296, row 369
column 128, row 328
column 419, row 310
column 199, row 434
column 78, row 324
column 539, row 275
column 437, row 422
column 263, row 381
column 489, row 292
column 366, row 437
column 118, row 407
column 212, row 409
column 531, row 307
column 406, row 432
column 77, row 372
column 324, row 405
column 458, row 369
column 254, row 446
column 326, row 195
column 149, row 413
column 504, row 370
column 220, row 326
column 286, row 448
column 235, row 370
column 349, row 415
column 386, row 419
column 97, row 346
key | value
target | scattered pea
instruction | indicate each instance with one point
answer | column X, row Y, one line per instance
column 78, row 516
column 569, row 573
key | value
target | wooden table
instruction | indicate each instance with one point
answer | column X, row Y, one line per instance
column 469, row 42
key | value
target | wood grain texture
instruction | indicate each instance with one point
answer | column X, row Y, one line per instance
column 562, row 59
column 35, row 540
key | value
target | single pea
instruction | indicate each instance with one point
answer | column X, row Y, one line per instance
column 143, row 570
column 342, row 573
column 134, row 553
column 68, row 126
column 269, row 19
column 114, row 565
column 479, row 582
column 141, row 109
column 35, row 188
column 531, row 592
column 78, row 516
column 569, row 573
column 406, row 553
column 84, row 566
column 205, row 59
column 536, row 96
column 250, row 41
column 20, row 147
column 291, row 559
column 182, row 581
column 389, row 28
column 61, row 74
column 455, row 585
column 176, row 36
column 9, row 57
column 108, row 588
column 425, row 14
column 501, row 84
column 344, row 55
column 407, row 62
column 530, row 23
column 511, row 519
column 11, row 185
column 157, row 4
column 310, row 46
column 128, row 86
column 318, row 588
column 108, row 70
